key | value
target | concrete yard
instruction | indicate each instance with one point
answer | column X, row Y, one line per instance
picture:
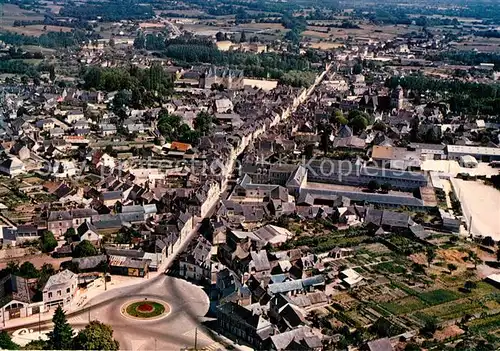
column 482, row 202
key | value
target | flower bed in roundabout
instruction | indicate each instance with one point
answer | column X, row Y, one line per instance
column 146, row 309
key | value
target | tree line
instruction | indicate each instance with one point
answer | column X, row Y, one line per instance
column 108, row 11
column 51, row 40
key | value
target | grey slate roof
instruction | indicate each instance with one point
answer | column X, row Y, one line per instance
column 60, row 278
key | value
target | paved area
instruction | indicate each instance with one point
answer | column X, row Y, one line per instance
column 482, row 203
column 453, row 168
column 188, row 304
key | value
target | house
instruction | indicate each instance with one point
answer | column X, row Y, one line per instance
column 74, row 116
column 59, row 222
column 383, row 344
column 245, row 324
column 60, row 289
column 110, row 198
column 350, row 277
column 195, row 264
column 301, row 338
column 87, row 231
column 107, row 129
column 484, row 154
column 340, row 252
column 12, row 167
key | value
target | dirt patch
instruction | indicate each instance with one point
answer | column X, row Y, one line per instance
column 452, row 256
column 419, row 258
column 448, row 332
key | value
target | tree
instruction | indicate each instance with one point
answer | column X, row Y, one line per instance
column 61, row 337
column 28, row 270
column 36, row 345
column 243, row 37
column 386, row 187
column 358, row 123
column 498, row 254
column 431, row 255
column 48, row 242
column 380, row 126
column 46, row 272
column 339, row 118
column 357, row 69
column 452, row 267
column 429, row 327
column 95, row 336
column 219, row 36
column 84, row 249
column 52, row 73
column 488, row 241
column 203, row 123
column 71, row 232
column 373, row 185
column 469, row 285
column 474, row 258
column 6, row 342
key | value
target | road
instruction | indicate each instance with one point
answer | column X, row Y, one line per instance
column 188, row 304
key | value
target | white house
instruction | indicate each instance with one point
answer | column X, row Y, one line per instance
column 74, row 115
column 60, row 289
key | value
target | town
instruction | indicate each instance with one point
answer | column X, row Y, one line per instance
column 249, row 175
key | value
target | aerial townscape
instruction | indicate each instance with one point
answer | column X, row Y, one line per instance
column 250, row 175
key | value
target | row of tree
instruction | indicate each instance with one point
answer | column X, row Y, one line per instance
column 53, row 40
column 114, row 10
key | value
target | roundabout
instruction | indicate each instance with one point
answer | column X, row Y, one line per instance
column 145, row 309
column 145, row 326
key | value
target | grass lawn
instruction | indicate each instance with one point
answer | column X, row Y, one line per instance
column 391, row 267
column 439, row 296
column 406, row 305
column 149, row 309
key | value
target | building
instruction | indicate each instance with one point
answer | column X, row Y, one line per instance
column 245, row 324
column 483, row 154
column 195, row 263
column 228, row 78
column 468, row 161
column 131, row 266
column 60, row 289
column 16, row 296
column 397, row 98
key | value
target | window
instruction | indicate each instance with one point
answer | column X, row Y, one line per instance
column 68, row 290
column 58, row 292
column 50, row 295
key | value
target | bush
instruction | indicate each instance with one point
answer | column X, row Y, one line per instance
column 48, row 242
